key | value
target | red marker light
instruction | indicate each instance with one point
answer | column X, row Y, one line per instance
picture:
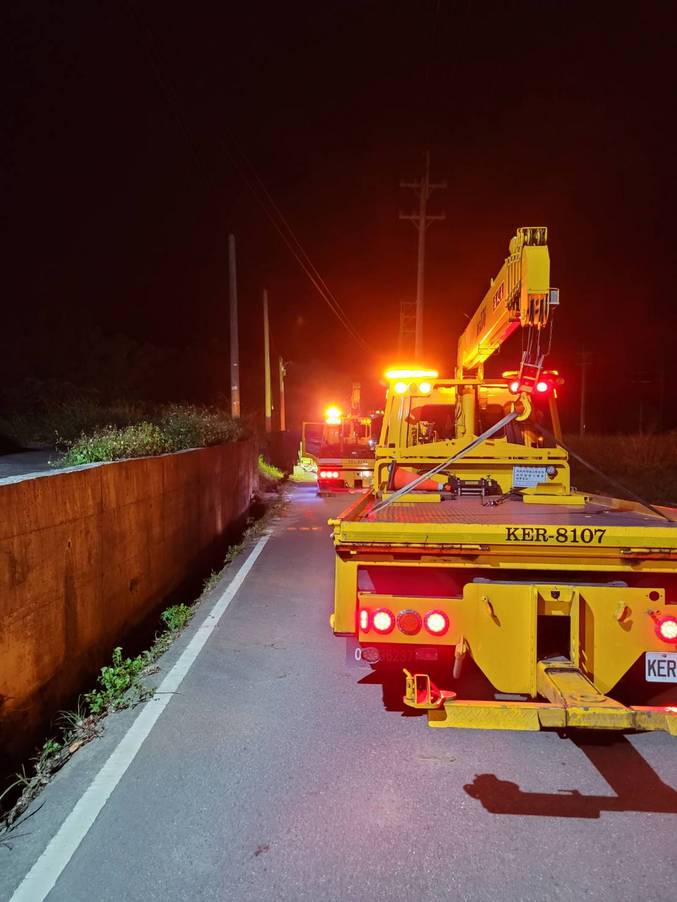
column 364, row 619
column 436, row 622
column 409, row 622
column 666, row 629
column 383, row 621
column 542, row 386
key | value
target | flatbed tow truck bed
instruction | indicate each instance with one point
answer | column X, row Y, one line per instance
column 515, row 511
column 599, row 525
column 602, row 572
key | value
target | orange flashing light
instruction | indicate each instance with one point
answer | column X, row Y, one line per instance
column 332, row 416
column 411, row 374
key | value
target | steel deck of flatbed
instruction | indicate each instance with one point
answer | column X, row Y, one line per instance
column 476, row 511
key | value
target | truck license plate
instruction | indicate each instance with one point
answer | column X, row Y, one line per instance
column 404, row 654
column 660, row 667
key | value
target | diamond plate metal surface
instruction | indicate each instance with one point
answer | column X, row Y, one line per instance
column 471, row 510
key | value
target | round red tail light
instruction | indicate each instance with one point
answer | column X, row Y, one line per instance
column 436, row 622
column 542, row 386
column 409, row 622
column 383, row 621
column 364, row 619
column 666, row 629
column 515, row 386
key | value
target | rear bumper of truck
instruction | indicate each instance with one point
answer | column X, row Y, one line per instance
column 602, row 579
column 570, row 700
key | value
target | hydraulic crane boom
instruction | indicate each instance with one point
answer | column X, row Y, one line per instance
column 520, row 295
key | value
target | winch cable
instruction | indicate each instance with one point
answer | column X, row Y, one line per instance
column 492, row 430
column 600, row 473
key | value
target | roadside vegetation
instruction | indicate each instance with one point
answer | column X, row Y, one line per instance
column 174, row 428
column 118, row 685
column 646, row 464
column 269, row 475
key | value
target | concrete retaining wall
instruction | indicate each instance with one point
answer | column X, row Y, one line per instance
column 87, row 554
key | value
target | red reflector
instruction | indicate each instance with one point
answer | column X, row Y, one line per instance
column 409, row 622
column 436, row 622
column 666, row 629
column 364, row 619
column 383, row 621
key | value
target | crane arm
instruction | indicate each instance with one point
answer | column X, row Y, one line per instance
column 520, row 295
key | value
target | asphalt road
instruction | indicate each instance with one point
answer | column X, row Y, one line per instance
column 276, row 772
column 25, row 463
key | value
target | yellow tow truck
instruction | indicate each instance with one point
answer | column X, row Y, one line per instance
column 340, row 450
column 511, row 600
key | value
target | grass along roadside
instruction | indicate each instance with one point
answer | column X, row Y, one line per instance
column 120, row 684
column 269, row 474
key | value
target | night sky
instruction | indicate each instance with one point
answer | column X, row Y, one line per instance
column 132, row 132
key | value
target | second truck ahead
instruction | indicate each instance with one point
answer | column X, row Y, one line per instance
column 340, row 450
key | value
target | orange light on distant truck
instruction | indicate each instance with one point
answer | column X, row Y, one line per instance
column 332, row 416
column 411, row 374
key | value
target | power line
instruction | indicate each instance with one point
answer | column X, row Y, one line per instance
column 281, row 225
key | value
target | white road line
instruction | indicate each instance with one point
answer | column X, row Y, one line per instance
column 41, row 878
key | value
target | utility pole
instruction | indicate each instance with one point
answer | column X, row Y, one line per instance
column 283, row 411
column 407, row 336
column 234, row 344
column 584, row 363
column 356, row 399
column 266, row 364
column 421, row 220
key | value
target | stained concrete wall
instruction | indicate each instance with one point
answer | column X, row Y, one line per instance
column 87, row 554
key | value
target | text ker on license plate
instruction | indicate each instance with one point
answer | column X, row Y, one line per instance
column 660, row 667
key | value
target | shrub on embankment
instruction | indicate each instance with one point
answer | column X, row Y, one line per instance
column 174, row 428
column 646, row 464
